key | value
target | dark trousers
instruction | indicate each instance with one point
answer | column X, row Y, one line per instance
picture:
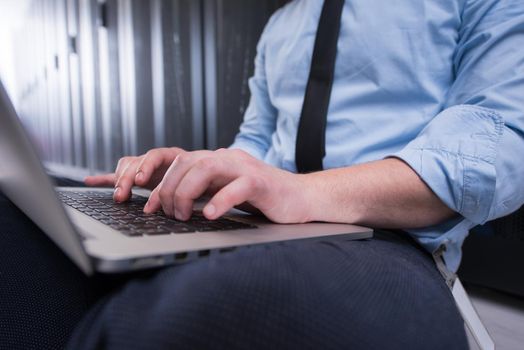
column 383, row 293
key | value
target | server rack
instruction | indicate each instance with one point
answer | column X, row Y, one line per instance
column 108, row 78
column 231, row 32
column 108, row 58
column 75, row 86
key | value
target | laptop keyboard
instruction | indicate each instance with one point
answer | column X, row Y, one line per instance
column 129, row 219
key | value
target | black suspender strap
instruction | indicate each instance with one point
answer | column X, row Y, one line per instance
column 310, row 144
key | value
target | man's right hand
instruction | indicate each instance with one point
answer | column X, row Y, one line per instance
column 145, row 171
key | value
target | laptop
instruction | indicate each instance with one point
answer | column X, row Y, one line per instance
column 99, row 235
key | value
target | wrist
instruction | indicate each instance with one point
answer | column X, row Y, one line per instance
column 306, row 197
column 332, row 196
column 314, row 197
column 295, row 191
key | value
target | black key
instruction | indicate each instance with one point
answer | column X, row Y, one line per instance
column 118, row 227
column 207, row 229
column 151, row 223
column 233, row 227
column 155, row 232
column 138, row 221
column 98, row 205
column 117, row 215
column 73, row 194
column 97, row 216
column 131, row 226
column 147, row 227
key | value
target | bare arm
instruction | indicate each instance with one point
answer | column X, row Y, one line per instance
column 385, row 193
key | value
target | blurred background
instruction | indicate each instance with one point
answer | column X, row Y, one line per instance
column 94, row 80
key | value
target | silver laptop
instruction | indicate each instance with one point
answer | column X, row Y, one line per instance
column 100, row 235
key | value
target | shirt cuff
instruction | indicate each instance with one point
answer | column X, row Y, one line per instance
column 455, row 156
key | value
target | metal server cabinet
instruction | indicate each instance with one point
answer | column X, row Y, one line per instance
column 32, row 72
column 161, row 74
column 134, row 29
column 110, row 97
column 41, row 109
column 28, row 77
column 90, row 84
column 177, row 73
column 57, row 69
column 107, row 78
column 231, row 32
column 52, row 96
column 75, row 86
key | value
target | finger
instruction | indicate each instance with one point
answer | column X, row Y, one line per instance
column 125, row 182
column 240, row 190
column 100, row 180
column 122, row 165
column 174, row 174
column 153, row 203
column 150, row 163
column 196, row 181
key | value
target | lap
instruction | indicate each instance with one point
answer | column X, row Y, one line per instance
column 375, row 293
column 42, row 294
column 380, row 293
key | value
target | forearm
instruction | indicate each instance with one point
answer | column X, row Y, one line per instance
column 385, row 193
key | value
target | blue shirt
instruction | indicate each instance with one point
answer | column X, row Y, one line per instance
column 437, row 83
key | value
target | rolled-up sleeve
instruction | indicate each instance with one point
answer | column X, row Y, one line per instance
column 472, row 153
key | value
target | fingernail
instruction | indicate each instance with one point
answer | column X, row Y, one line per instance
column 116, row 195
column 210, row 210
column 139, row 176
column 146, row 207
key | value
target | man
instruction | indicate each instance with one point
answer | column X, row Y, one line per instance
column 437, row 94
column 424, row 133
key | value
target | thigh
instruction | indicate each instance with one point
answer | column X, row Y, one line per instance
column 42, row 294
column 371, row 294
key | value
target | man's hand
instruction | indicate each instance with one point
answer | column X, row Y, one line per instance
column 145, row 171
column 385, row 193
column 233, row 177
